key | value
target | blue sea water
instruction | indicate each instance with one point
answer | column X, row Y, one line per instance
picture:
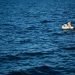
column 31, row 39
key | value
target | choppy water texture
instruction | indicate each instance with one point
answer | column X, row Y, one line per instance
column 31, row 39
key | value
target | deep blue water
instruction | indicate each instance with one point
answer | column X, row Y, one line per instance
column 31, row 39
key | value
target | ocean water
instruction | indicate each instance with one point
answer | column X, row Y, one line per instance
column 31, row 39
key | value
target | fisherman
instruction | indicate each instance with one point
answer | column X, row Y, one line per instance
column 69, row 24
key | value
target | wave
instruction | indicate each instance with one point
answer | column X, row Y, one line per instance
column 42, row 70
column 69, row 48
column 25, row 41
column 22, row 56
column 31, row 28
column 46, row 21
column 9, row 28
column 34, row 53
column 9, row 57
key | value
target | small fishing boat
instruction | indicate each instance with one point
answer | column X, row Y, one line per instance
column 67, row 26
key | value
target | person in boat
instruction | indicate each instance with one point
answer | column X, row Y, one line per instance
column 69, row 24
column 65, row 25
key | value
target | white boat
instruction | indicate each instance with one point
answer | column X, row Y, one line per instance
column 67, row 26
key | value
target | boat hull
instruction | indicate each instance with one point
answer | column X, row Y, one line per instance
column 67, row 27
